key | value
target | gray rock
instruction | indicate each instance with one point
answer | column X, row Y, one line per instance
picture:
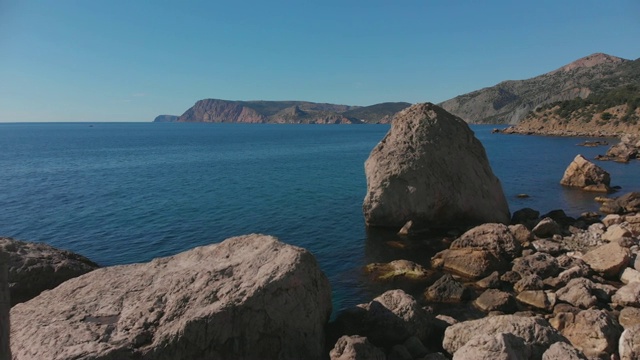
column 526, row 216
column 496, row 300
column 628, row 295
column 390, row 319
column 548, row 246
column 536, row 298
column 500, row 346
column 594, row 332
column 615, row 232
column 535, row 332
column 629, row 344
column 446, row 290
column 629, row 275
column 490, row 282
column 247, row 297
column 578, row 292
column 541, row 264
column 546, row 228
column 629, row 317
column 627, row 203
column 468, row 262
column 562, row 351
column 521, row 233
column 495, row 238
column 582, row 173
column 35, row 267
column 608, row 259
column 529, row 282
column 431, row 169
column 355, row 348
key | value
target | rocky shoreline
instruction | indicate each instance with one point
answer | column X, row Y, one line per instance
column 544, row 287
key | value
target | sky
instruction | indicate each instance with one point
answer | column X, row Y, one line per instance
column 95, row 60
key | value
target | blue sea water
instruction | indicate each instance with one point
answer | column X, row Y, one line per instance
column 121, row 193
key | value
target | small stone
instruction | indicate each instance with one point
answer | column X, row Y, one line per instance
column 510, row 277
column 535, row 298
column 529, row 282
column 615, row 232
column 628, row 295
column 490, row 282
column 541, row 264
column 629, row 275
column 629, row 317
column 547, row 227
column 495, row 300
column 611, row 219
column 579, row 293
column 446, row 290
column 548, row 246
column 521, row 233
column 355, row 348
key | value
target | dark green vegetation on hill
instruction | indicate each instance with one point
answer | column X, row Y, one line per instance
column 584, row 109
column 510, row 101
column 287, row 112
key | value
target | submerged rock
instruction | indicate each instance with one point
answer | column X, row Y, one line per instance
column 247, row 297
column 432, row 170
column 35, row 267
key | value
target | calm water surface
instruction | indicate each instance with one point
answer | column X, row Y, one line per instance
column 125, row 193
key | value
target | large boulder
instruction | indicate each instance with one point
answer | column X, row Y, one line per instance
column 536, row 333
column 35, row 267
column 431, row 169
column 584, row 174
column 245, row 298
column 595, row 333
column 388, row 320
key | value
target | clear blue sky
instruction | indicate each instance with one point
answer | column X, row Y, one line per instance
column 95, row 60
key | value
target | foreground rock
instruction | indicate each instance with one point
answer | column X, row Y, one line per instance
column 529, row 336
column 35, row 267
column 355, row 348
column 432, row 170
column 247, row 297
column 586, row 175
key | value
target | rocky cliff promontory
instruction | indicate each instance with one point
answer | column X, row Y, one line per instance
column 285, row 112
column 510, row 101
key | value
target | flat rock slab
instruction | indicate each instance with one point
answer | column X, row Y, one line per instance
column 608, row 259
column 536, row 333
column 35, row 267
column 469, row 263
column 247, row 297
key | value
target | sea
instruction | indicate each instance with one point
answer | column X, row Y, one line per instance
column 121, row 193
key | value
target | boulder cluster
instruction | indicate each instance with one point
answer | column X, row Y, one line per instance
column 627, row 149
column 543, row 287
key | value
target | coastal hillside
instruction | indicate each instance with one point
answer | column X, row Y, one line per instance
column 287, row 112
column 510, row 101
column 608, row 113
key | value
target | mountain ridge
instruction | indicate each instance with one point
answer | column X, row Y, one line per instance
column 511, row 100
column 286, row 112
